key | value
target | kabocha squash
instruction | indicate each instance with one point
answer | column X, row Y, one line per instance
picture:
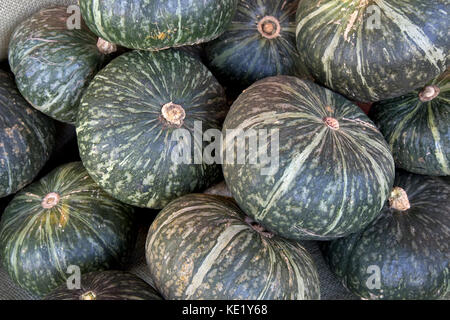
column 334, row 169
column 27, row 138
column 127, row 126
column 54, row 63
column 203, row 247
column 259, row 42
column 63, row 220
column 158, row 24
column 405, row 253
column 107, row 285
column 417, row 127
column 371, row 50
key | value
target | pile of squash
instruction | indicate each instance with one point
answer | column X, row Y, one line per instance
column 167, row 98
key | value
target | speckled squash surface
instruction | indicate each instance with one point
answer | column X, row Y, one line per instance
column 203, row 247
column 27, row 138
column 335, row 169
column 107, row 285
column 408, row 245
column 158, row 24
column 417, row 127
column 126, row 133
column 52, row 63
column 61, row 220
column 259, row 42
column 371, row 50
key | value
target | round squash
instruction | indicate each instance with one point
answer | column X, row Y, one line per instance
column 260, row 42
column 130, row 120
column 334, row 169
column 53, row 64
column 203, row 247
column 158, row 24
column 27, row 138
column 417, row 127
column 63, row 220
column 373, row 50
column 107, row 285
column 405, row 253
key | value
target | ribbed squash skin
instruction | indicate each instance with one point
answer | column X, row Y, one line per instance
column 86, row 228
column 126, row 145
column 411, row 248
column 408, row 47
column 27, row 138
column 107, row 285
column 243, row 55
column 418, row 132
column 329, row 183
column 200, row 247
column 157, row 24
column 52, row 64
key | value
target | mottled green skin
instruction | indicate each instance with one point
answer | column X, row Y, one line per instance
column 52, row 64
column 408, row 48
column 107, row 285
column 87, row 228
column 418, row 132
column 329, row 183
column 242, row 55
column 411, row 248
column 157, row 24
column 27, row 138
column 124, row 142
column 200, row 247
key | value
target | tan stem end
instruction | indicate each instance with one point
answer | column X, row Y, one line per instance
column 429, row 93
column 258, row 228
column 398, row 199
column 173, row 113
column 106, row 47
column 331, row 123
column 269, row 27
column 90, row 295
column 50, row 200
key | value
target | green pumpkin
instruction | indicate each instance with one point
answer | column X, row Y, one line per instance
column 203, row 247
column 371, row 50
column 27, row 138
column 260, row 42
column 405, row 253
column 107, row 285
column 63, row 220
column 54, row 64
column 334, row 169
column 417, row 127
column 158, row 24
column 130, row 118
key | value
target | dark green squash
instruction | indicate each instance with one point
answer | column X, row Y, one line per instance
column 27, row 138
column 406, row 248
column 107, row 285
column 417, row 127
column 334, row 169
column 54, row 64
column 260, row 42
column 203, row 247
column 371, row 50
column 128, row 125
column 157, row 24
column 63, row 220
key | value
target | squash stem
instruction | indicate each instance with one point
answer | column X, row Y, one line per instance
column 173, row 114
column 50, row 200
column 269, row 27
column 398, row 199
column 106, row 47
column 429, row 93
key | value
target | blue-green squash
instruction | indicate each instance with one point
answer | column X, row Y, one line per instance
column 329, row 171
column 371, row 50
column 405, row 253
column 27, row 138
column 63, row 220
column 204, row 247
